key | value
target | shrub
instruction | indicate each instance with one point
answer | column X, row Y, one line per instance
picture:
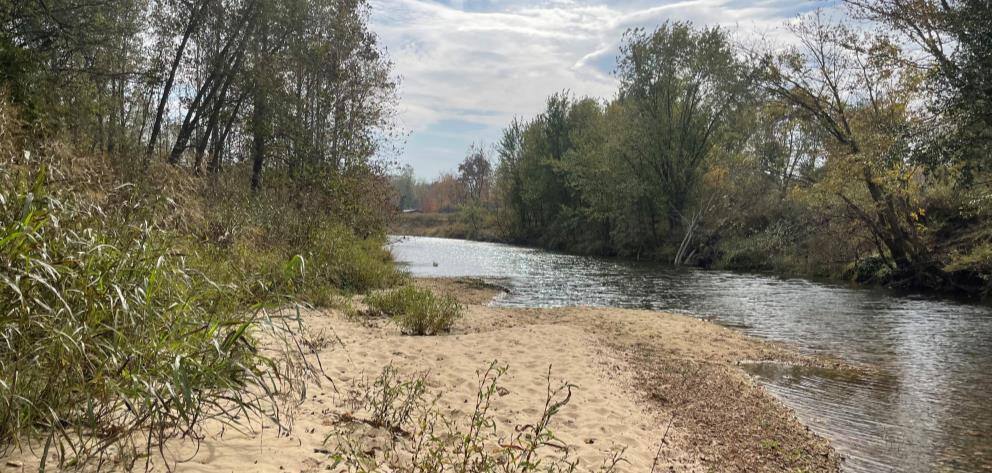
column 351, row 263
column 134, row 297
column 263, row 237
column 109, row 338
column 870, row 270
column 417, row 311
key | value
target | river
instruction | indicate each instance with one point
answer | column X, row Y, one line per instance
column 930, row 409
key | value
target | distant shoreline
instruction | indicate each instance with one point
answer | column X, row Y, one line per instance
column 447, row 225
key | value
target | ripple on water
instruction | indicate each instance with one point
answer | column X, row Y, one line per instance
column 930, row 409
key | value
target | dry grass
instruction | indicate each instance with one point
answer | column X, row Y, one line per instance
column 417, row 437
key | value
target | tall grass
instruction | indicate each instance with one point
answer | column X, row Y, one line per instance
column 133, row 311
column 417, row 311
column 108, row 337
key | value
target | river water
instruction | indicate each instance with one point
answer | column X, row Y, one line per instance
column 930, row 409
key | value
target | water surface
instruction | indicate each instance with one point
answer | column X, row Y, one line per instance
column 930, row 409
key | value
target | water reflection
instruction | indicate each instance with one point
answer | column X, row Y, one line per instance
column 930, row 410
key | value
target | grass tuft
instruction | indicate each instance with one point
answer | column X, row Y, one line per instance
column 417, row 311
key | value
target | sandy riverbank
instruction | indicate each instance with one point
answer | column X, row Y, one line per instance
column 659, row 385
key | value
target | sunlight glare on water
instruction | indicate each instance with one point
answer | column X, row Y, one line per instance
column 930, row 409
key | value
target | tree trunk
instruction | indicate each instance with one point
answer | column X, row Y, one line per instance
column 260, row 132
column 219, row 144
column 218, row 105
column 170, row 80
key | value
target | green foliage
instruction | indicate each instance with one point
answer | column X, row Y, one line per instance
column 417, row 311
column 682, row 89
column 138, row 274
column 111, row 339
column 626, row 177
column 871, row 270
column 714, row 156
column 132, row 304
column 330, row 233
column 756, row 252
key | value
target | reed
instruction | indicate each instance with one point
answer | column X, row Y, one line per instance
column 136, row 309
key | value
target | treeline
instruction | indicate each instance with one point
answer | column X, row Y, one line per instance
column 461, row 205
column 171, row 174
column 858, row 152
column 288, row 84
column 448, row 192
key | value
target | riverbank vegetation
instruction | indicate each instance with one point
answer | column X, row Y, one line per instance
column 172, row 176
column 859, row 151
column 417, row 311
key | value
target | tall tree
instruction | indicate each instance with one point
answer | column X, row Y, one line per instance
column 475, row 173
column 859, row 98
column 193, row 17
column 682, row 89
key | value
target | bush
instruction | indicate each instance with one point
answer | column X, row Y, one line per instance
column 417, row 311
column 134, row 296
column 110, row 340
column 870, row 270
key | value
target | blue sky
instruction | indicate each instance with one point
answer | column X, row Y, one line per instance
column 467, row 67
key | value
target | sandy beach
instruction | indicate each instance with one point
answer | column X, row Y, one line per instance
column 665, row 389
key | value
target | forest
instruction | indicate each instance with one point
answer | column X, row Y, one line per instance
column 858, row 150
column 181, row 179
column 173, row 176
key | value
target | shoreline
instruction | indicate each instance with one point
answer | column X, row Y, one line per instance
column 688, row 372
column 413, row 230
column 668, row 390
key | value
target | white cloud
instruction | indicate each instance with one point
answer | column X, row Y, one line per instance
column 485, row 63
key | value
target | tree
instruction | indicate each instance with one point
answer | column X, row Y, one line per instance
column 509, row 180
column 475, row 174
column 445, row 195
column 194, row 16
column 953, row 44
column 406, row 187
column 787, row 147
column 682, row 90
column 856, row 95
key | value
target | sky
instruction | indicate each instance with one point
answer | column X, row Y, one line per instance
column 468, row 67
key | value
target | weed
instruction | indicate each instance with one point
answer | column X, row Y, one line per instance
column 769, row 444
column 390, row 399
column 417, row 311
column 437, row 442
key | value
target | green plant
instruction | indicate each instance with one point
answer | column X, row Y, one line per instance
column 437, row 441
column 110, row 341
column 417, row 311
column 140, row 299
column 390, row 399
